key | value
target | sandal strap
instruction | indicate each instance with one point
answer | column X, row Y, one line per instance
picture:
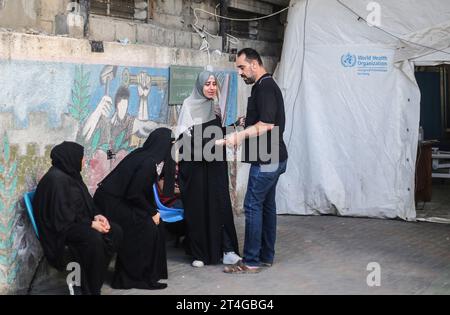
column 233, row 269
column 240, row 268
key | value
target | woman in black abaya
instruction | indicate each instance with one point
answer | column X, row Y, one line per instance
column 125, row 196
column 204, row 181
column 66, row 215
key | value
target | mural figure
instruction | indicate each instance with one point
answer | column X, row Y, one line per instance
column 113, row 116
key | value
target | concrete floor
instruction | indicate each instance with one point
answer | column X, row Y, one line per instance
column 439, row 206
column 329, row 255
column 323, row 255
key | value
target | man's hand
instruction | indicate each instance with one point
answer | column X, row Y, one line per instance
column 103, row 220
column 235, row 139
column 100, row 227
column 156, row 218
column 220, row 142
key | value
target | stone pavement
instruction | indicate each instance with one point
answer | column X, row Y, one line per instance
column 329, row 255
column 325, row 255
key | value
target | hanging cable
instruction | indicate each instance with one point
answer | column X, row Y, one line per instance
column 231, row 38
column 242, row 20
column 217, row 20
column 389, row 33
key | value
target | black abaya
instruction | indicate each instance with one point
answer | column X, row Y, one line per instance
column 125, row 195
column 64, row 211
column 205, row 193
column 93, row 251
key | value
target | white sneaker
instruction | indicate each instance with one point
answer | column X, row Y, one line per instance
column 198, row 264
column 230, row 258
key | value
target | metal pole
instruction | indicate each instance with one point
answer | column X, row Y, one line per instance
column 224, row 24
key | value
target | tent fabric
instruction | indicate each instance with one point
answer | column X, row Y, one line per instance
column 353, row 104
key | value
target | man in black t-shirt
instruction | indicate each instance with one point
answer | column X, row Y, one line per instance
column 265, row 149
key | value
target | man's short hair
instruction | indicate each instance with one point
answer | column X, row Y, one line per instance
column 122, row 94
column 250, row 54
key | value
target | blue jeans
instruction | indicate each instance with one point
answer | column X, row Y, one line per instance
column 261, row 213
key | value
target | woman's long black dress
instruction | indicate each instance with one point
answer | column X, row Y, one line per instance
column 64, row 211
column 205, row 193
column 126, row 197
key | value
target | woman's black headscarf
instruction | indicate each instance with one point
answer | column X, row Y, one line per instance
column 157, row 148
column 67, row 157
column 158, row 145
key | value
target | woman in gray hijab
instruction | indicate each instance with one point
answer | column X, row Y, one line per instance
column 204, row 177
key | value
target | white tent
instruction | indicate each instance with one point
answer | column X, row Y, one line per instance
column 353, row 104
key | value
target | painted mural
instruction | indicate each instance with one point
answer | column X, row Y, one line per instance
column 108, row 109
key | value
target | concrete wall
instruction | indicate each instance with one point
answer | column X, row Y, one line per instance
column 169, row 26
column 110, row 29
column 178, row 14
column 31, row 15
column 19, row 13
column 50, row 89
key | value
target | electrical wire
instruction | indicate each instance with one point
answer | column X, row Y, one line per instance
column 241, row 20
column 230, row 38
column 217, row 20
column 389, row 33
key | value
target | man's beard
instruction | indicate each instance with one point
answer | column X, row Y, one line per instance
column 248, row 80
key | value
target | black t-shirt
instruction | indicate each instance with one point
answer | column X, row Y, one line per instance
column 266, row 105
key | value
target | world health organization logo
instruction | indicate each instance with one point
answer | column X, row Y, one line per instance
column 348, row 60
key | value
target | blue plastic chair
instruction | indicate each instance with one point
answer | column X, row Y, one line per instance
column 28, row 198
column 168, row 215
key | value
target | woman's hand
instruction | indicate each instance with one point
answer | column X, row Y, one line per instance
column 103, row 220
column 156, row 218
column 100, row 227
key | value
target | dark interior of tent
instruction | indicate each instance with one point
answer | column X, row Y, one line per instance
column 433, row 159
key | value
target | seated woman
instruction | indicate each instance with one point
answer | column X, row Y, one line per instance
column 125, row 195
column 178, row 229
column 173, row 201
column 66, row 215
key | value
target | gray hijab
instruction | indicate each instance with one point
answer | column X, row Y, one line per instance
column 197, row 108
